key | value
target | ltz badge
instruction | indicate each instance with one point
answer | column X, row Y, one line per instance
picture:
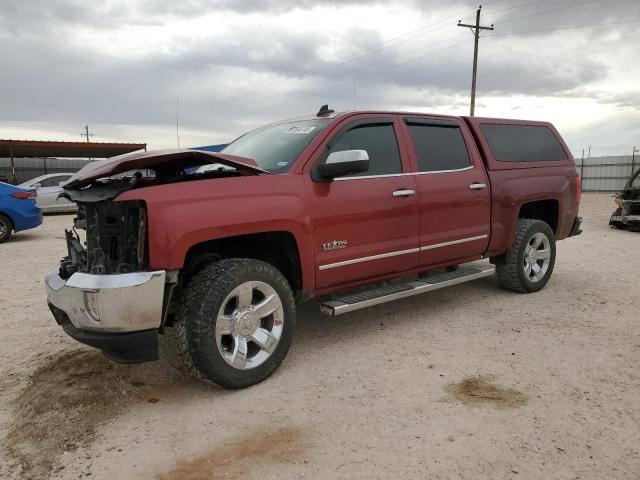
column 335, row 245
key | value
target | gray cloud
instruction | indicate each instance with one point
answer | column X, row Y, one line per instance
column 238, row 77
column 628, row 100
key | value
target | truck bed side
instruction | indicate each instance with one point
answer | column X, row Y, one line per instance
column 545, row 189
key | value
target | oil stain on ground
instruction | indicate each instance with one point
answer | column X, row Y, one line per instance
column 240, row 458
column 480, row 390
column 65, row 402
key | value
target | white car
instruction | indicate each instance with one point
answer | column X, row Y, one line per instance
column 213, row 166
column 48, row 188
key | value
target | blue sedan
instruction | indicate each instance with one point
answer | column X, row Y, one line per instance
column 18, row 210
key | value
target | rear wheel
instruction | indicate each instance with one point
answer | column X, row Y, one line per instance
column 6, row 227
column 528, row 264
column 236, row 322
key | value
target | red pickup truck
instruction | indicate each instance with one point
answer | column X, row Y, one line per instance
column 360, row 207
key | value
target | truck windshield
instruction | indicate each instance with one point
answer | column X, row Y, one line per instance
column 276, row 147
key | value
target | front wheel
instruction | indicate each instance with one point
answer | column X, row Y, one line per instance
column 528, row 264
column 236, row 322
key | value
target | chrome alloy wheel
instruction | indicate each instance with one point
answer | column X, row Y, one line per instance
column 249, row 325
column 537, row 257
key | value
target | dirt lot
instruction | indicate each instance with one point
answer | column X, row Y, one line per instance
column 472, row 382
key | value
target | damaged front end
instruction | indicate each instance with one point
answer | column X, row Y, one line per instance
column 115, row 231
column 627, row 215
column 104, row 293
column 115, row 239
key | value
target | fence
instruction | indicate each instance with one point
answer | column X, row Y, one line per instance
column 28, row 168
column 606, row 174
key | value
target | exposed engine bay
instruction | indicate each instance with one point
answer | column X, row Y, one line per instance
column 115, row 239
column 115, row 232
column 627, row 215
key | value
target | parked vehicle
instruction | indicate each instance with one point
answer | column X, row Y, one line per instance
column 212, row 166
column 367, row 207
column 18, row 210
column 627, row 215
column 49, row 189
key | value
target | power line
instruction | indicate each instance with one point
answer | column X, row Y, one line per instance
column 412, row 60
column 359, row 55
column 356, row 56
column 565, row 7
column 344, row 82
column 345, row 60
column 347, row 75
column 476, row 33
column 620, row 22
column 517, row 6
column 369, row 51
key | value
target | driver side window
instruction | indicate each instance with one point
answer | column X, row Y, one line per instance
column 381, row 145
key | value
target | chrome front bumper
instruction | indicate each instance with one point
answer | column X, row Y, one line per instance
column 115, row 303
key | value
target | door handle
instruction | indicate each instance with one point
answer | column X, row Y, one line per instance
column 477, row 186
column 403, row 193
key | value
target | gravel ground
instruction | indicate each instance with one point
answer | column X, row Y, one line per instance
column 471, row 382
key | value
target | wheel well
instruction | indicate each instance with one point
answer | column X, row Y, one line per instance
column 277, row 248
column 545, row 210
column 11, row 224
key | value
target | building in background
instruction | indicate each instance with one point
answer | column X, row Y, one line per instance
column 21, row 160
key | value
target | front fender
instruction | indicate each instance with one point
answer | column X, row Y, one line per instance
column 186, row 214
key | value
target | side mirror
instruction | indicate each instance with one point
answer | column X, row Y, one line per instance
column 36, row 185
column 343, row 163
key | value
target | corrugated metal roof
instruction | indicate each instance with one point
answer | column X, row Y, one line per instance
column 45, row 148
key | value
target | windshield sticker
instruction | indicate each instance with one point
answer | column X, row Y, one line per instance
column 282, row 164
column 300, row 129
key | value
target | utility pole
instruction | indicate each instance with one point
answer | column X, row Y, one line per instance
column 354, row 94
column 86, row 133
column 177, row 121
column 633, row 159
column 475, row 29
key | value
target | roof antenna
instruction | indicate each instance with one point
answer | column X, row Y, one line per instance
column 324, row 111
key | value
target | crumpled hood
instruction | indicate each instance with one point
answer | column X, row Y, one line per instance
column 150, row 160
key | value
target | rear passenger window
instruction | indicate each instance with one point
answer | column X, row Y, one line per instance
column 51, row 181
column 439, row 148
column 380, row 143
column 522, row 143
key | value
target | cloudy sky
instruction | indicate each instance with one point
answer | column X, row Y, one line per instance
column 120, row 65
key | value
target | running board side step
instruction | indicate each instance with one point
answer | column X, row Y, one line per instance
column 396, row 291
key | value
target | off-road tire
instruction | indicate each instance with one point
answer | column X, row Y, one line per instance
column 194, row 329
column 6, row 221
column 511, row 271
